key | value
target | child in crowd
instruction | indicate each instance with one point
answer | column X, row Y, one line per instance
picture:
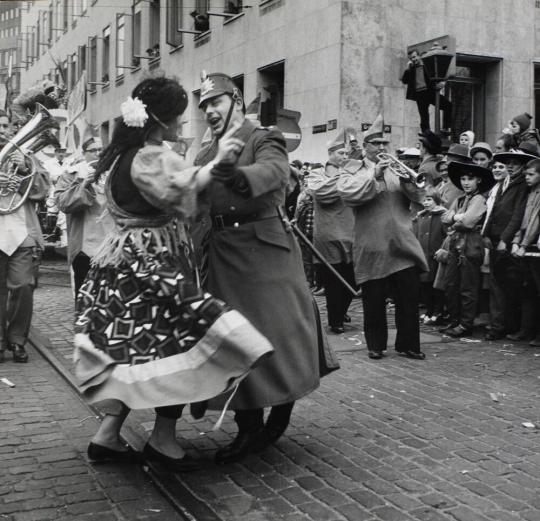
column 481, row 154
column 465, row 247
column 519, row 128
column 430, row 232
column 466, row 138
column 527, row 240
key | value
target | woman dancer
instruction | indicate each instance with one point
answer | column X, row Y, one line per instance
column 146, row 334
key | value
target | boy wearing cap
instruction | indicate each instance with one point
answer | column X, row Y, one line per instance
column 519, row 129
column 466, row 250
column 333, row 232
column 385, row 248
column 254, row 264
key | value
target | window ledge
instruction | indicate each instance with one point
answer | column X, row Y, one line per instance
column 152, row 64
column 119, row 79
column 92, row 91
column 105, row 88
column 177, row 48
column 235, row 17
column 136, row 69
column 201, row 39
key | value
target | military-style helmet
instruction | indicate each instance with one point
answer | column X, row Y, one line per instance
column 216, row 84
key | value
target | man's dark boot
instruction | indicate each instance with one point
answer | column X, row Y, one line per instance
column 19, row 354
column 250, row 424
column 276, row 425
column 2, row 354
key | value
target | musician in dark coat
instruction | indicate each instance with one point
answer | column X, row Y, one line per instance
column 254, row 262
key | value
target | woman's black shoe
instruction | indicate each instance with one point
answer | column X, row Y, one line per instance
column 338, row 330
column 184, row 464
column 99, row 453
column 346, row 318
column 19, row 354
column 375, row 355
column 241, row 446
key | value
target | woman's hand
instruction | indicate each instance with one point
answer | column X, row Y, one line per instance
column 501, row 246
column 229, row 147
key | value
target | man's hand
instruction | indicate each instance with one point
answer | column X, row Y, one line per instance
column 8, row 182
column 18, row 159
column 501, row 246
column 380, row 167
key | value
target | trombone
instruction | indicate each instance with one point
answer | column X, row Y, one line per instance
column 400, row 169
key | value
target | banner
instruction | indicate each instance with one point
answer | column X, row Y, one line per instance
column 76, row 104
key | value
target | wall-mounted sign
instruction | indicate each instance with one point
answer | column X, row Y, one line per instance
column 318, row 129
column 387, row 129
column 332, row 124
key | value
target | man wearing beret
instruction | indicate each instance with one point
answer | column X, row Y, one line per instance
column 385, row 251
column 333, row 230
column 254, row 264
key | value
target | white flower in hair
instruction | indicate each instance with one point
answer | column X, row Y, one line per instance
column 133, row 112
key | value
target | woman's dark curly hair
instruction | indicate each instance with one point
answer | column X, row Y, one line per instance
column 165, row 99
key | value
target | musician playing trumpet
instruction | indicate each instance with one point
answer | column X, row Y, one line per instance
column 21, row 245
column 385, row 252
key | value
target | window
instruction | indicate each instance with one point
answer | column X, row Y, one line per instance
column 136, row 31
column 84, row 6
column 233, row 6
column 73, row 77
column 65, row 17
column 50, row 22
column 153, row 48
column 106, row 50
column 174, row 22
column 537, row 93
column 82, row 59
column 58, row 19
column 272, row 88
column 120, row 44
column 200, row 18
column 92, row 44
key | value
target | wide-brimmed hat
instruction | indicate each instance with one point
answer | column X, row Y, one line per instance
column 525, row 153
column 481, row 147
column 459, row 153
column 457, row 169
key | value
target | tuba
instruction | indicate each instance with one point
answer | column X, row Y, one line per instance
column 32, row 137
column 402, row 170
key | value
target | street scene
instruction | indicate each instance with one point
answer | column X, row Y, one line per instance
column 270, row 260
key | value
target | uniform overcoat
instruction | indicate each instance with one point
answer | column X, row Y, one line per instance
column 256, row 267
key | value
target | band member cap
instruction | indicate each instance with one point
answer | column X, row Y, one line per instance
column 375, row 133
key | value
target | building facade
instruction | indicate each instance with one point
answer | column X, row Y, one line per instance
column 338, row 63
column 10, row 45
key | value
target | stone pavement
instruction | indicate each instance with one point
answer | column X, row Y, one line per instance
column 44, row 475
column 390, row 440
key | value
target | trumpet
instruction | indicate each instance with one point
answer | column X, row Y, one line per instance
column 400, row 169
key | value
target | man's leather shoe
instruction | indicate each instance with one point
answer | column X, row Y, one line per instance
column 375, row 355
column 19, row 353
column 494, row 335
column 100, row 453
column 459, row 331
column 535, row 342
column 184, row 464
column 241, row 446
column 346, row 318
column 338, row 330
column 267, row 437
column 414, row 355
column 522, row 334
column 2, row 355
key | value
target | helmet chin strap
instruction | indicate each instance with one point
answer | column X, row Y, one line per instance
column 234, row 97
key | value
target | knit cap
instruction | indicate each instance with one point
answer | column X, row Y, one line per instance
column 523, row 120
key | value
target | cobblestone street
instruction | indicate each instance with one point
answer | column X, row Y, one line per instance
column 391, row 440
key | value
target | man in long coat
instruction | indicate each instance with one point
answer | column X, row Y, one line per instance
column 333, row 232
column 254, row 264
column 385, row 248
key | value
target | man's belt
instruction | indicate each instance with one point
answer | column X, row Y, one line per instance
column 222, row 221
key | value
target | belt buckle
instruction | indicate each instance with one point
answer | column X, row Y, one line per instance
column 219, row 223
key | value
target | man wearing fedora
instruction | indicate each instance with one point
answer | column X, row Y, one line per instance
column 333, row 230
column 506, row 206
column 255, row 265
column 465, row 245
column 386, row 251
column 430, row 150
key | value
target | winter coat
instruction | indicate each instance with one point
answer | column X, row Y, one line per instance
column 384, row 242
column 505, row 217
column 256, row 267
column 333, row 221
column 430, row 232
